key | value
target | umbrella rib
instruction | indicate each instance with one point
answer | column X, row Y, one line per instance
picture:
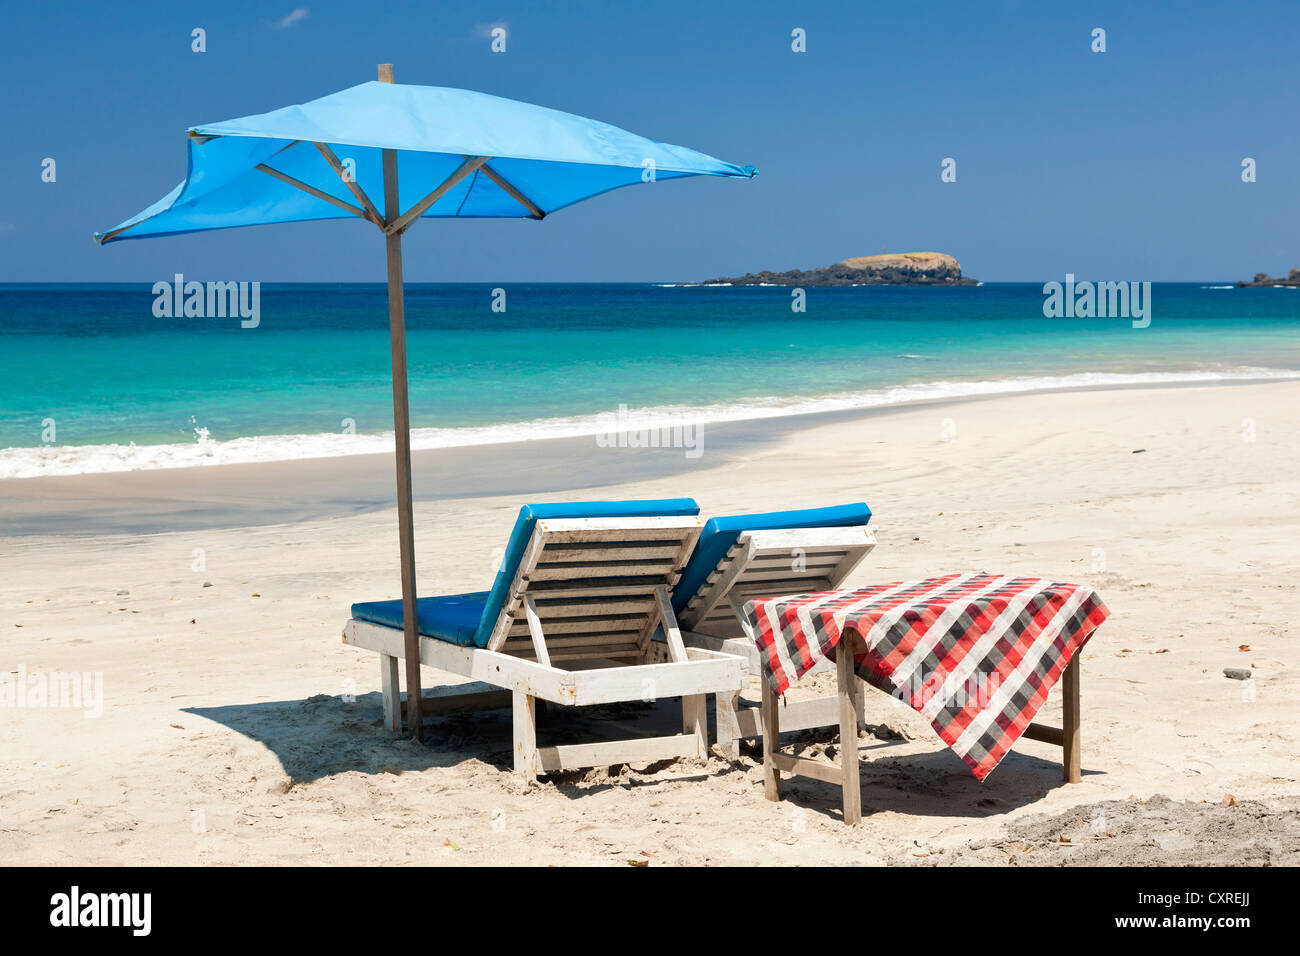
column 283, row 148
column 311, row 190
column 401, row 222
column 519, row 197
column 371, row 212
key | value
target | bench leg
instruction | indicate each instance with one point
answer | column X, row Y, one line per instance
column 525, row 720
column 851, row 782
column 695, row 721
column 725, row 706
column 1070, row 718
column 388, row 680
column 771, row 740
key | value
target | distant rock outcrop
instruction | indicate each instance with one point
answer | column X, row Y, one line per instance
column 908, row 268
column 1262, row 281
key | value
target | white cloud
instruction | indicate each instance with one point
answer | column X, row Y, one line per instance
column 293, row 18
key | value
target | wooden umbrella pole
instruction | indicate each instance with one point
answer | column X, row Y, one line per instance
column 402, row 437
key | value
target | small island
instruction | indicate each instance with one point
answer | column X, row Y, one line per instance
column 908, row 268
column 1262, row 281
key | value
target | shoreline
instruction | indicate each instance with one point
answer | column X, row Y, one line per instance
column 62, row 461
column 243, row 495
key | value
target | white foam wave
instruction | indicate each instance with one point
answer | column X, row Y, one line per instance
column 98, row 459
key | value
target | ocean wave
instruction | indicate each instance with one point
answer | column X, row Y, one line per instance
column 48, row 460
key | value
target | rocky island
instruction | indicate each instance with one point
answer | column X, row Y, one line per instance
column 908, row 268
column 1262, row 281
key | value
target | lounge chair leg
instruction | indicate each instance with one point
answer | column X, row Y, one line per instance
column 771, row 740
column 1070, row 718
column 695, row 721
column 860, row 704
column 724, row 706
column 388, row 680
column 525, row 714
column 851, row 782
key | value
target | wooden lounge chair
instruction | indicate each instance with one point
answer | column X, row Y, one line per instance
column 742, row 557
column 801, row 552
column 570, row 620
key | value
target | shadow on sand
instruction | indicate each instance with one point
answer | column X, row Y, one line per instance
column 323, row 736
column 931, row 784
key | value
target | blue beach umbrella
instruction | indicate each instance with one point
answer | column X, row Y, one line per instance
column 458, row 155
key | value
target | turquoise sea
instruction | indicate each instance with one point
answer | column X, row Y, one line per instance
column 91, row 380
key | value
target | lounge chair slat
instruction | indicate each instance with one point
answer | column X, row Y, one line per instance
column 552, row 607
column 578, row 562
column 778, row 574
column 784, row 539
column 611, row 551
column 558, row 529
column 578, row 640
column 810, row 548
column 596, row 587
column 577, row 570
column 789, row 560
column 611, row 538
column 581, row 625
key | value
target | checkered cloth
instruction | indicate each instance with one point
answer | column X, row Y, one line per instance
column 976, row 654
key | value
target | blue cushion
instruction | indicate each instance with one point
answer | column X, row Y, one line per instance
column 721, row 533
column 452, row 618
column 523, row 532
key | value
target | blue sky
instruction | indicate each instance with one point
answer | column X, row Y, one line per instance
column 1117, row 165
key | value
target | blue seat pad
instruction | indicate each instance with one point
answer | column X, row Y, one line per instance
column 452, row 617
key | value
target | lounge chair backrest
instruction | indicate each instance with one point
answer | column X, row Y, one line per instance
column 522, row 534
column 741, row 557
column 597, row 583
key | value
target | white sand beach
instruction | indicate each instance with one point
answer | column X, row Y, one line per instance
column 226, row 733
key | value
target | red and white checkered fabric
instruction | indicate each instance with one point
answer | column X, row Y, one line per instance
column 975, row 654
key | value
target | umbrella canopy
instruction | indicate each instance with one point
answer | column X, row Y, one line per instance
column 252, row 171
column 455, row 154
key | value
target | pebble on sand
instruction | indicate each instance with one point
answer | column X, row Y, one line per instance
column 1237, row 673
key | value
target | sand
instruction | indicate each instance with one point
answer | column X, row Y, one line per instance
column 237, row 728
